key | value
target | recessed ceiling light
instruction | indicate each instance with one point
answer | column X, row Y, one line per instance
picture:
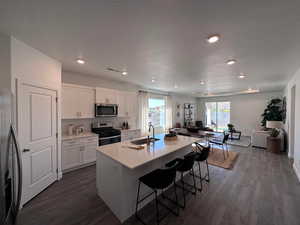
column 231, row 62
column 213, row 39
column 152, row 80
column 202, row 82
column 242, row 76
column 80, row 61
column 124, row 73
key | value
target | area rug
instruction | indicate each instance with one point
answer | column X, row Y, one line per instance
column 245, row 141
column 216, row 158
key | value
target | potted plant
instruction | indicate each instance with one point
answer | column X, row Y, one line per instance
column 230, row 127
column 273, row 112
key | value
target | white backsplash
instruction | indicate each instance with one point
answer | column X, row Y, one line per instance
column 117, row 122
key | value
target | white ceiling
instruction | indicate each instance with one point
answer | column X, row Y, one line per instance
column 165, row 39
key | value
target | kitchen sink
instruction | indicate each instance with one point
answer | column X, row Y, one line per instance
column 144, row 141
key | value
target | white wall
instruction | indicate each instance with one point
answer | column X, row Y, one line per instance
column 295, row 81
column 31, row 66
column 96, row 81
column 5, row 77
column 246, row 110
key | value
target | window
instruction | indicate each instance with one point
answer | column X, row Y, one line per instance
column 217, row 115
column 157, row 113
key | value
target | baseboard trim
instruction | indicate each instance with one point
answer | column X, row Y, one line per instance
column 297, row 170
column 78, row 167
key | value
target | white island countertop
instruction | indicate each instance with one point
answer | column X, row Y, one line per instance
column 132, row 158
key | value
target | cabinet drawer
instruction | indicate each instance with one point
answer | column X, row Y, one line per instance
column 91, row 139
column 92, row 145
column 71, row 142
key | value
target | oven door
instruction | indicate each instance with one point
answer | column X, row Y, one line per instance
column 109, row 140
column 109, row 110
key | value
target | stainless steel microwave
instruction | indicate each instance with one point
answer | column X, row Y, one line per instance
column 106, row 110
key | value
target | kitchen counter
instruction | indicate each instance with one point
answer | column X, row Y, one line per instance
column 131, row 158
column 118, row 169
column 130, row 129
column 86, row 134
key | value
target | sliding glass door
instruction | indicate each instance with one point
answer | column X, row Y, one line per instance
column 217, row 115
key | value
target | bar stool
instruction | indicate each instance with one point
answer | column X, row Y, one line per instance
column 202, row 154
column 158, row 179
column 185, row 165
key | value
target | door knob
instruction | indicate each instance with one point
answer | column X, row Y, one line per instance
column 26, row 150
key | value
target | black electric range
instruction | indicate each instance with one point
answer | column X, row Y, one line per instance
column 107, row 134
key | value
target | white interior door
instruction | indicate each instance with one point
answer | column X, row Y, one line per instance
column 37, row 110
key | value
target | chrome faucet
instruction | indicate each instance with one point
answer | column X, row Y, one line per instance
column 153, row 132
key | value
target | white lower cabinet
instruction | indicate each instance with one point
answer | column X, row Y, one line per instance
column 78, row 152
column 130, row 134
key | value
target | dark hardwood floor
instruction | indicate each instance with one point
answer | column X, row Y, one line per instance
column 262, row 189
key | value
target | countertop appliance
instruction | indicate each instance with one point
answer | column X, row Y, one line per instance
column 106, row 110
column 79, row 130
column 107, row 134
column 10, row 164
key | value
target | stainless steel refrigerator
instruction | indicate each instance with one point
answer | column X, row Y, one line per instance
column 10, row 163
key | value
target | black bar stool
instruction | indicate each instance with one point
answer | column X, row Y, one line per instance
column 221, row 142
column 159, row 179
column 185, row 165
column 202, row 153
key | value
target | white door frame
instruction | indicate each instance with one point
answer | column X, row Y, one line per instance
column 18, row 87
column 292, row 122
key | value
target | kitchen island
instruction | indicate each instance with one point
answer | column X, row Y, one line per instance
column 119, row 167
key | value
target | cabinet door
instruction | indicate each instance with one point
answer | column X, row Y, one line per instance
column 101, row 96
column 131, row 104
column 71, row 156
column 112, row 96
column 89, row 154
column 124, row 137
column 77, row 102
column 121, row 98
column 87, row 102
column 104, row 95
column 69, row 102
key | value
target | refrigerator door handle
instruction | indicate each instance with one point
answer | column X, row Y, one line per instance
column 19, row 167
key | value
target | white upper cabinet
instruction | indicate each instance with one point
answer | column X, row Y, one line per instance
column 69, row 102
column 127, row 102
column 77, row 102
column 132, row 102
column 121, row 98
column 107, row 96
column 87, row 102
